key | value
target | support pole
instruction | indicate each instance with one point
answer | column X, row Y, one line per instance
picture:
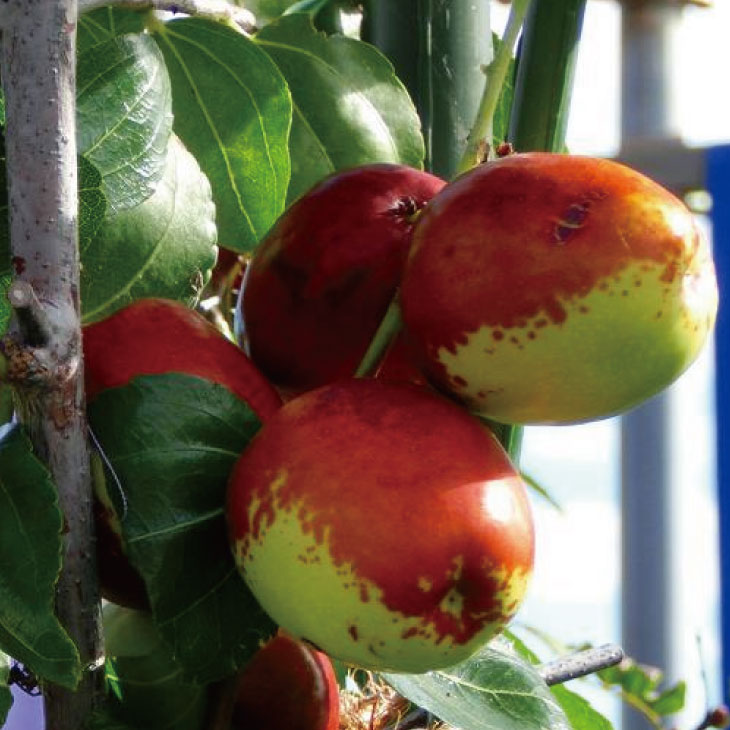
column 438, row 50
column 647, row 549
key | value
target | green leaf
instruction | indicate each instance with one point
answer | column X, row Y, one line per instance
column 6, row 698
column 102, row 24
column 577, row 709
column 500, row 121
column 164, row 247
column 92, row 202
column 124, row 116
column 233, row 112
column 180, row 440
column 30, row 553
column 349, row 106
column 670, row 701
column 267, row 10
column 493, row 690
column 542, row 491
column 145, row 680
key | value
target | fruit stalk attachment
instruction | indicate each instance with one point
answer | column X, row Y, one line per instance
column 477, row 146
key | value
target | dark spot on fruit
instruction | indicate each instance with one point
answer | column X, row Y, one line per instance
column 583, row 309
column 603, row 286
column 572, row 221
column 352, row 630
column 531, row 335
column 624, row 293
column 637, row 283
column 514, row 340
column 498, row 335
column 458, row 380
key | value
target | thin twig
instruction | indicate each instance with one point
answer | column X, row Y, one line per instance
column 580, row 664
column 496, row 74
column 214, row 9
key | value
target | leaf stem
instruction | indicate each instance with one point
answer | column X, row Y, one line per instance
column 389, row 327
column 496, row 74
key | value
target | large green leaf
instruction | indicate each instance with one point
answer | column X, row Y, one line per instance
column 30, row 556
column 349, row 106
column 6, row 698
column 233, row 112
column 104, row 23
column 494, row 690
column 173, row 440
column 164, row 247
column 124, row 116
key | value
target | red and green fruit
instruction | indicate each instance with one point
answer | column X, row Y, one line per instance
column 383, row 524
column 321, row 280
column 288, row 685
column 551, row 288
column 153, row 337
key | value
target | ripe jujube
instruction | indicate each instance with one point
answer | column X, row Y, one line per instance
column 321, row 280
column 382, row 523
column 552, row 288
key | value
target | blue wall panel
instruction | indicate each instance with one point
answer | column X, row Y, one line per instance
column 718, row 183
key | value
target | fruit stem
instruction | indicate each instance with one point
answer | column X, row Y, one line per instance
column 496, row 72
column 389, row 327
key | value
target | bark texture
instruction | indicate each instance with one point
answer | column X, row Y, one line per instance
column 44, row 346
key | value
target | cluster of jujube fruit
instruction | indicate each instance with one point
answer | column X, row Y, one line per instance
column 378, row 518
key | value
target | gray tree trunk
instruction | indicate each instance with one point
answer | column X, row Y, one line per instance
column 38, row 71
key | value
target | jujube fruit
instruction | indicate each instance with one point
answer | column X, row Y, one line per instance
column 321, row 280
column 383, row 524
column 287, row 685
column 551, row 288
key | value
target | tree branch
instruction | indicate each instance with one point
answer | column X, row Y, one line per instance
column 38, row 65
column 214, row 9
